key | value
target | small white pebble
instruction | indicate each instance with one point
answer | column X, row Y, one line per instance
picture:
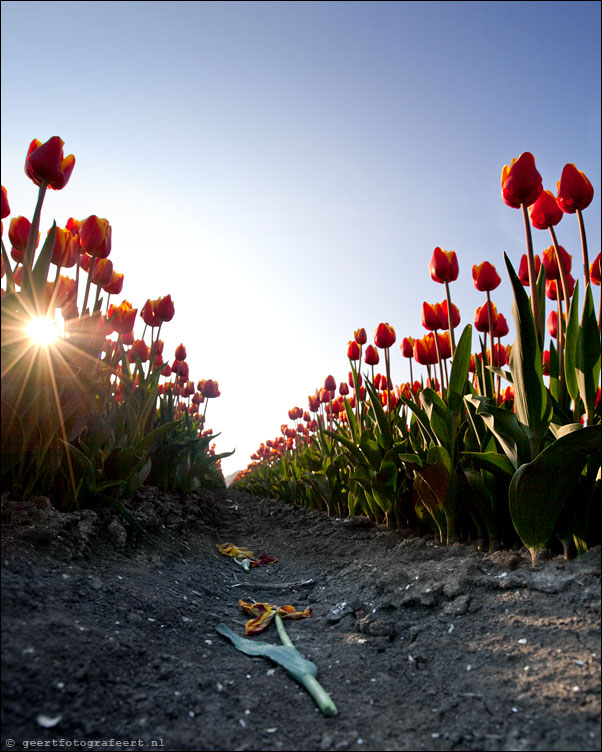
column 248, row 676
column 580, row 663
column 271, row 671
column 502, row 575
column 247, row 712
column 191, row 713
column 435, row 735
column 522, row 641
column 451, row 629
column 242, row 723
column 576, row 689
column 271, row 730
column 60, row 685
column 526, row 668
column 149, row 618
column 469, row 667
column 208, row 642
column 515, row 710
column 47, row 721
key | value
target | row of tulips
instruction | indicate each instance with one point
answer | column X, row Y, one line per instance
column 96, row 411
column 484, row 447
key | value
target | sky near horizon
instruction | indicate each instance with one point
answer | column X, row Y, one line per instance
column 285, row 169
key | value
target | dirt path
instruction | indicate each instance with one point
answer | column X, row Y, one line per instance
column 420, row 646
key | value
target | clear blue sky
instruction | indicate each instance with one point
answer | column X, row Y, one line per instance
column 285, row 169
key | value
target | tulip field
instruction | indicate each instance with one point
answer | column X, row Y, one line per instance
column 89, row 412
column 498, row 446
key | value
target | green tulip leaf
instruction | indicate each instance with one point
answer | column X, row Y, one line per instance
column 570, row 347
column 539, row 489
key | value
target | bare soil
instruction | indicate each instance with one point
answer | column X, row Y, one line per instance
column 109, row 637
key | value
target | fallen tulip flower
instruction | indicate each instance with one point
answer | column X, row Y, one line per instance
column 264, row 613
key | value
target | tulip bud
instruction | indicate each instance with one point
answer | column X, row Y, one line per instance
column 485, row 277
column 5, row 207
column 443, row 266
column 523, row 269
column 384, row 336
column 545, row 212
column 180, row 352
column 521, row 182
column 360, row 336
column 45, row 163
column 548, row 258
column 95, row 236
column 371, row 356
column 575, row 192
column 407, row 347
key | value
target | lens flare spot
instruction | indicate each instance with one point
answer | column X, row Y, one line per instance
column 42, row 331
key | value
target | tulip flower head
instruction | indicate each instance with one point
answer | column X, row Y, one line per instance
column 485, row 277
column 122, row 318
column 384, row 336
column 360, row 336
column 45, row 163
column 523, row 269
column 521, row 182
column 180, row 353
column 594, row 271
column 115, row 286
column 548, row 258
column 432, row 316
column 4, row 204
column 371, row 356
column 545, row 212
column 353, row 350
column 444, row 266
column 481, row 319
column 407, row 347
column 330, row 384
column 575, row 192
column 500, row 328
column 95, row 236
column 18, row 232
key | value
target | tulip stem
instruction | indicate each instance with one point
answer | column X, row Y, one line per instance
column 532, row 276
column 440, row 363
column 492, row 358
column 450, row 318
column 32, row 239
column 583, row 247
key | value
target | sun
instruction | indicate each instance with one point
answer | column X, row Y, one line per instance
column 42, row 331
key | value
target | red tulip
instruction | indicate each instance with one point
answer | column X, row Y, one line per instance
column 548, row 258
column 432, row 316
column 424, row 351
column 115, row 285
column 552, row 287
column 552, row 324
column 545, row 212
column 103, row 272
column 45, row 163
column 500, row 356
column 18, row 232
column 330, row 384
column 165, row 308
column 521, row 182
column 523, row 269
column 353, row 350
column 141, row 349
column 65, row 252
column 122, row 318
column 350, row 380
column 314, row 403
column 407, row 347
column 371, row 356
column 444, row 341
column 481, row 319
column 180, row 352
column 360, row 336
column 149, row 315
column 4, row 204
column 575, row 192
column 384, row 336
column 211, row 389
column 455, row 315
column 500, row 328
column 594, row 271
column 485, row 277
column 95, row 236
column 343, row 389
column 546, row 362
column 444, row 266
